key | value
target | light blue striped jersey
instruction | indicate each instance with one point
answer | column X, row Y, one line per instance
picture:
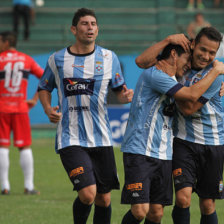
column 149, row 131
column 206, row 125
column 82, row 82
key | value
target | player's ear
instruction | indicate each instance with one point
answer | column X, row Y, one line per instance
column 173, row 53
column 192, row 45
column 174, row 56
column 73, row 30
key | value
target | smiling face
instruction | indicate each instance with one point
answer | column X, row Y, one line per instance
column 183, row 64
column 203, row 52
column 86, row 30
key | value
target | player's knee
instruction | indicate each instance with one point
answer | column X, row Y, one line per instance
column 207, row 206
column 87, row 196
column 155, row 214
column 87, row 199
column 140, row 212
column 183, row 199
column 103, row 200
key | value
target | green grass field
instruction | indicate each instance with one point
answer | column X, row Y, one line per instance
column 54, row 205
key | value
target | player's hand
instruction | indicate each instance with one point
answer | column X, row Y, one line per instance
column 218, row 66
column 169, row 69
column 31, row 103
column 53, row 114
column 180, row 39
column 127, row 94
column 221, row 92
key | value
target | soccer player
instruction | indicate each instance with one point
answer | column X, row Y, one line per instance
column 198, row 154
column 82, row 74
column 147, row 143
column 15, row 68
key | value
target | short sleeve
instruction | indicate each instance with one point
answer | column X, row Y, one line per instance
column 161, row 82
column 117, row 76
column 47, row 81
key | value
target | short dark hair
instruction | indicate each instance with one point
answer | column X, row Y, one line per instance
column 10, row 37
column 167, row 51
column 81, row 13
column 211, row 33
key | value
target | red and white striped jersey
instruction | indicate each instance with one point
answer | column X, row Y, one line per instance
column 15, row 68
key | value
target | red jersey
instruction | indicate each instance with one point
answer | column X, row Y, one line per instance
column 15, row 68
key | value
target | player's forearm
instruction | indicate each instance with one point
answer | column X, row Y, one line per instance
column 45, row 99
column 148, row 57
column 199, row 88
column 36, row 97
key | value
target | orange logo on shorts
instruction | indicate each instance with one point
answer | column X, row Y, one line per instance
column 134, row 187
column 177, row 172
column 76, row 171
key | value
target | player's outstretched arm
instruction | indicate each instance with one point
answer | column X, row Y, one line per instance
column 149, row 57
column 32, row 102
column 191, row 105
column 52, row 112
column 125, row 95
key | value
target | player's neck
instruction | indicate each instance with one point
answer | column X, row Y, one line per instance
column 82, row 49
column 167, row 67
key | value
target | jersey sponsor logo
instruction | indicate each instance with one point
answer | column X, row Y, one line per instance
column 134, row 187
column 177, row 172
column 78, row 66
column 79, row 108
column 78, row 86
column 76, row 171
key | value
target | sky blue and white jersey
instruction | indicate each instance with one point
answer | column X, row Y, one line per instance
column 82, row 82
column 149, row 131
column 206, row 125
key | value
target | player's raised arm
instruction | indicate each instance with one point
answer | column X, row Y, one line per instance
column 149, row 57
column 193, row 104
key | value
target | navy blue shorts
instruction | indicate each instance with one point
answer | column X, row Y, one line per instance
column 147, row 180
column 88, row 166
column 200, row 167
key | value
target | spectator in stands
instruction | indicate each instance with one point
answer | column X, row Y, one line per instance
column 217, row 2
column 23, row 9
column 15, row 67
column 190, row 5
column 82, row 74
column 195, row 26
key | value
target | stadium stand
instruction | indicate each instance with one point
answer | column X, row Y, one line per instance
column 127, row 27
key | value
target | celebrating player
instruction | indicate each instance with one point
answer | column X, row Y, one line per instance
column 198, row 151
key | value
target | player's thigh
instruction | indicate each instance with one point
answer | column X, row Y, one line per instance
column 139, row 170
column 161, row 192
column 183, row 164
column 105, row 170
column 78, row 166
column 5, row 129
column 210, row 172
column 21, row 129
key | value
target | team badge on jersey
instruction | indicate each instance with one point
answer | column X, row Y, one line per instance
column 78, row 86
column 118, row 78
column 99, row 67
